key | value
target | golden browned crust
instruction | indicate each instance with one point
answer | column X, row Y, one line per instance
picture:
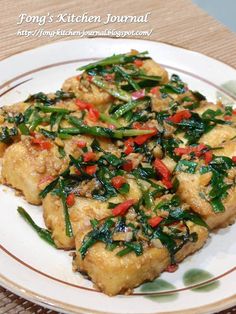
column 113, row 274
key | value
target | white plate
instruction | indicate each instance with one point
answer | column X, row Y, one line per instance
column 204, row 283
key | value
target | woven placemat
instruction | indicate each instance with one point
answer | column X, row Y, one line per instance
column 177, row 22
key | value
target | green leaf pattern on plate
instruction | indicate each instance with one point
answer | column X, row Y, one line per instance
column 191, row 277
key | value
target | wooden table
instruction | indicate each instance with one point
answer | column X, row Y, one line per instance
column 176, row 22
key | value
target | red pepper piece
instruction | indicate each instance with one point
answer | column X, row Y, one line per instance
column 90, row 78
column 78, row 172
column 91, row 169
column 70, row 200
column 164, row 172
column 199, row 149
column 81, row 144
column 172, row 268
column 208, row 157
column 138, row 62
column 167, row 183
column 155, row 90
column 137, row 125
column 41, row 144
column 128, row 166
column 154, row 221
column 109, row 77
column 121, row 209
column 129, row 143
column 83, row 105
column 46, row 145
column 179, row 151
column 118, row 181
column 93, row 114
column 179, row 116
column 234, row 159
column 227, row 118
column 89, row 156
column 141, row 139
column 32, row 133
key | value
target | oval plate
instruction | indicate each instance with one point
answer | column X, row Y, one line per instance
column 30, row 268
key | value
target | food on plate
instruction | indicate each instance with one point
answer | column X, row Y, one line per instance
column 113, row 274
column 209, row 188
column 133, row 168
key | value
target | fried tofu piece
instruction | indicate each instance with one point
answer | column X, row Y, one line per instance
column 3, row 147
column 221, row 132
column 214, row 138
column 9, row 111
column 227, row 149
column 87, row 91
column 80, row 213
column 218, row 135
column 192, row 185
column 150, row 67
column 205, row 105
column 113, row 274
column 24, row 167
column 19, row 107
column 35, row 168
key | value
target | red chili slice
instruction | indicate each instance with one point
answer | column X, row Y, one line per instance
column 179, row 151
column 164, row 172
column 172, row 268
column 129, row 143
column 208, row 157
column 137, row 125
column 41, row 144
column 81, row 144
column 121, row 209
column 70, row 200
column 109, row 77
column 141, row 139
column 155, row 90
column 154, row 221
column 179, row 116
column 93, row 114
column 78, row 172
column 118, row 181
column 83, row 105
column 167, row 183
column 128, row 165
column 227, row 118
column 89, row 156
column 234, row 159
column 91, row 169
column 138, row 62
column 90, row 78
